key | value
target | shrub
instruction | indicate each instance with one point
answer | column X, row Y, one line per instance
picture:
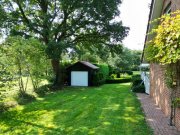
column 126, row 72
column 139, row 88
column 113, row 76
column 118, row 80
column 4, row 106
column 98, row 79
column 24, row 98
column 104, row 69
column 137, row 84
column 43, row 90
column 101, row 75
column 136, row 79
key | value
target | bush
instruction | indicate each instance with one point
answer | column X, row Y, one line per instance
column 101, row 75
column 113, row 76
column 43, row 90
column 136, row 79
column 137, row 84
column 24, row 98
column 126, row 72
column 104, row 69
column 98, row 79
column 139, row 88
column 118, row 80
column 4, row 106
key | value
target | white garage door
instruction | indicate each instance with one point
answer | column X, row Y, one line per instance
column 79, row 78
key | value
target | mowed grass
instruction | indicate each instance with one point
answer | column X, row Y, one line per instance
column 107, row 110
column 136, row 72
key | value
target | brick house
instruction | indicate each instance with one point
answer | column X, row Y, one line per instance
column 159, row 92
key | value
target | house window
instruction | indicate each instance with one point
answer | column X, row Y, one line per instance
column 167, row 10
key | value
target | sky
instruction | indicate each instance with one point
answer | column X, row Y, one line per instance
column 134, row 14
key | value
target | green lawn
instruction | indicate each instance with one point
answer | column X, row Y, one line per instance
column 136, row 72
column 108, row 110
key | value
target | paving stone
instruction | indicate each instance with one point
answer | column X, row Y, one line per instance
column 155, row 117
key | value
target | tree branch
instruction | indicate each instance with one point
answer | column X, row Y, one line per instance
column 22, row 12
column 24, row 17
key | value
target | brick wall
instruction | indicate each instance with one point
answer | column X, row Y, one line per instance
column 177, row 118
column 158, row 89
column 160, row 93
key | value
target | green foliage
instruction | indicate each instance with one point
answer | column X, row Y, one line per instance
column 63, row 24
column 4, row 106
column 117, row 73
column 101, row 75
column 98, row 79
column 126, row 72
column 165, row 47
column 170, row 76
column 104, row 69
column 127, row 60
column 22, row 60
column 176, row 102
column 43, row 90
column 136, row 79
column 113, row 76
column 54, row 49
column 118, row 80
column 139, row 88
column 150, row 52
column 137, row 84
column 24, row 98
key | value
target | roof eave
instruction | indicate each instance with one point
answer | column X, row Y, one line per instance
column 155, row 12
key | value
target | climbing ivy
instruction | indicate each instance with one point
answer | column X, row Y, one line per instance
column 165, row 47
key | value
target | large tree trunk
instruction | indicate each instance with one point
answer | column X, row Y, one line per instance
column 58, row 77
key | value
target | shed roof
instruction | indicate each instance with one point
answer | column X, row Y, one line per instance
column 87, row 64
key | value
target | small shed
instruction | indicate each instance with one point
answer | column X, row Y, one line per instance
column 81, row 73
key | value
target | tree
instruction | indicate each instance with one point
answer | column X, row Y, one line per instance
column 22, row 59
column 62, row 24
column 136, row 59
column 127, row 60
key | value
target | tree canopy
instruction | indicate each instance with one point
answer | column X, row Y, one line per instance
column 63, row 24
column 65, row 21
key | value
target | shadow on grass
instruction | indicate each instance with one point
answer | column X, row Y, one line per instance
column 110, row 109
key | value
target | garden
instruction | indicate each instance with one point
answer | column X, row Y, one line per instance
column 108, row 109
column 39, row 40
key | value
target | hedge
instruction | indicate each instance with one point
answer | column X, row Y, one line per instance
column 104, row 69
column 118, row 80
column 102, row 74
column 137, row 84
column 98, row 79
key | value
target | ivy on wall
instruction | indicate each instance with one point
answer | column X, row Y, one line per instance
column 165, row 47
